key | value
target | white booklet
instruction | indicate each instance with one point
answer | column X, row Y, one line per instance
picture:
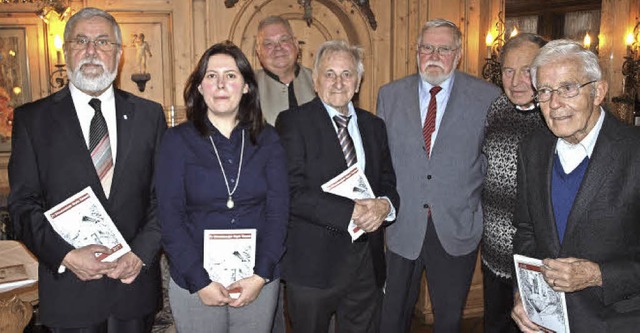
column 81, row 220
column 229, row 255
column 352, row 184
column 544, row 306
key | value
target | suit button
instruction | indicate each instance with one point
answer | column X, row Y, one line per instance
column 425, row 206
column 428, row 176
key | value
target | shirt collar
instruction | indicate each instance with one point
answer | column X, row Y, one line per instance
column 571, row 155
column 277, row 78
column 530, row 108
column 333, row 112
column 84, row 98
column 445, row 85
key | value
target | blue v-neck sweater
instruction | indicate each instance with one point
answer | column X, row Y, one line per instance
column 564, row 188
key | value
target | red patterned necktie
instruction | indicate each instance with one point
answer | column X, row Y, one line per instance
column 100, row 147
column 430, row 120
column 346, row 143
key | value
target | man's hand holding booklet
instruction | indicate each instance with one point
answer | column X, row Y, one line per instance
column 81, row 220
column 351, row 184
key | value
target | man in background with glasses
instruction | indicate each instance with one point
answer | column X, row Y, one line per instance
column 282, row 82
column 90, row 134
column 435, row 121
column 578, row 190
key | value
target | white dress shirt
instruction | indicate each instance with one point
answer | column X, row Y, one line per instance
column 354, row 132
column 571, row 155
column 442, row 98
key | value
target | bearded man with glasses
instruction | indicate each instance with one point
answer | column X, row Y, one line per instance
column 90, row 134
column 578, row 190
column 435, row 123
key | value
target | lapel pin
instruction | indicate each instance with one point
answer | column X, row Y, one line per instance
column 125, row 117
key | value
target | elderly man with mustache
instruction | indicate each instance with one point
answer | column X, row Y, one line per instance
column 90, row 134
column 435, row 123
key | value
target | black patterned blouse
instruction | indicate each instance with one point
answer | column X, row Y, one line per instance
column 505, row 127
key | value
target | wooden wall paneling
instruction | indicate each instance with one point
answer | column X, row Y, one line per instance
column 332, row 19
column 618, row 18
column 175, row 19
column 155, row 27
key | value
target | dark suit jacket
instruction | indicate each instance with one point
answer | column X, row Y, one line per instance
column 50, row 162
column 603, row 225
column 318, row 240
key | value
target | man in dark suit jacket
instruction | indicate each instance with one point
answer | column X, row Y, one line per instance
column 53, row 158
column 578, row 191
column 439, row 180
column 326, row 272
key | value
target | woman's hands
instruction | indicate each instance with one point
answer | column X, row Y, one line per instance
column 214, row 294
column 249, row 289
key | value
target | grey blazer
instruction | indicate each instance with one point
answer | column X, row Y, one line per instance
column 450, row 183
column 603, row 225
column 274, row 96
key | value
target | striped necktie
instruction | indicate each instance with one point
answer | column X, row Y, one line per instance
column 430, row 120
column 100, row 147
column 345, row 139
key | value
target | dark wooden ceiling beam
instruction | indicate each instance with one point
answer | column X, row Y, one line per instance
column 515, row 8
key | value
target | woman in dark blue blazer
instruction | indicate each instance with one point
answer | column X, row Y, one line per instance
column 223, row 169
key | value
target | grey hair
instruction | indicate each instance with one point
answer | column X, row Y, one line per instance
column 519, row 40
column 334, row 46
column 269, row 20
column 437, row 23
column 566, row 48
column 90, row 12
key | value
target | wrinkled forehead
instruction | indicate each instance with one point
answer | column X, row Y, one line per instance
column 565, row 70
column 95, row 26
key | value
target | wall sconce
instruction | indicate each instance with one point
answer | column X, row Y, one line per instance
column 588, row 44
column 491, row 70
column 627, row 104
column 58, row 77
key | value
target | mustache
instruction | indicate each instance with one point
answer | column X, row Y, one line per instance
column 434, row 63
column 91, row 61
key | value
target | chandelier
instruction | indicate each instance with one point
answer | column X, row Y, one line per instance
column 46, row 8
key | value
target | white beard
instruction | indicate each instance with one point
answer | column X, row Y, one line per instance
column 91, row 84
column 436, row 80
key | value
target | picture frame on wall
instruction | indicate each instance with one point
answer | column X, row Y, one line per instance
column 15, row 85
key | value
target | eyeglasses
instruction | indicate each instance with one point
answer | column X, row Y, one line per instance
column 566, row 91
column 82, row 43
column 444, row 51
column 283, row 41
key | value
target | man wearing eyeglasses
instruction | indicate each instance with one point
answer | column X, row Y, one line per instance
column 283, row 83
column 435, row 121
column 578, row 190
column 90, row 134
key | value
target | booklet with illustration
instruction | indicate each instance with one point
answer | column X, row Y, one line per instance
column 544, row 306
column 352, row 184
column 81, row 220
column 229, row 255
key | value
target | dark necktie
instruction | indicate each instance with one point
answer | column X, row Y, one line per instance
column 430, row 120
column 100, row 146
column 346, row 143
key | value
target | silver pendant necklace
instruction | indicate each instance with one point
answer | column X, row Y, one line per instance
column 230, row 202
